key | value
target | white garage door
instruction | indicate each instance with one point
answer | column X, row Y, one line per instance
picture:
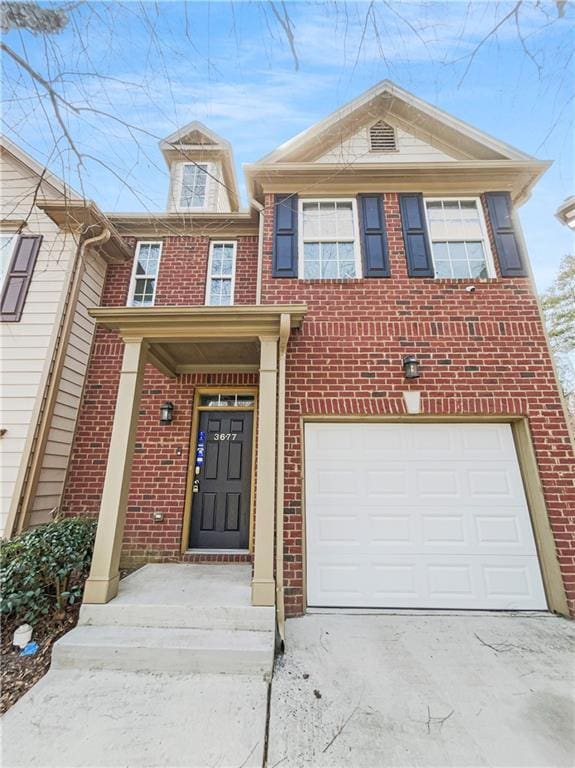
column 418, row 515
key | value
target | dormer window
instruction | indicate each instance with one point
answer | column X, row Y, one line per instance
column 382, row 137
column 193, row 186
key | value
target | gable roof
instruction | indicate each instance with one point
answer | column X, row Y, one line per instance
column 419, row 117
column 196, row 141
column 42, row 171
column 194, row 133
column 472, row 162
column 66, row 207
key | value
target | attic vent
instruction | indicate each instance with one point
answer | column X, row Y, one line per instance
column 382, row 137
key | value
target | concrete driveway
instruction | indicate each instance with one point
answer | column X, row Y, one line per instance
column 424, row 690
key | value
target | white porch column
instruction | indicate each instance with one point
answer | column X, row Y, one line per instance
column 263, row 584
column 102, row 584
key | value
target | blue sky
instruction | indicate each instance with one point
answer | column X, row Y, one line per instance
column 161, row 65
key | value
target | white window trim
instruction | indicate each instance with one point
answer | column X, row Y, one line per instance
column 135, row 276
column 356, row 238
column 489, row 262
column 209, row 273
column 13, row 240
column 180, row 183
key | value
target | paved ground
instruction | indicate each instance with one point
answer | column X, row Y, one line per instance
column 111, row 719
column 424, row 690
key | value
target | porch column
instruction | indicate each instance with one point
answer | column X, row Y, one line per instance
column 102, row 584
column 263, row 584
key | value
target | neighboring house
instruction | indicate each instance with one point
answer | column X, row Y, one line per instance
column 349, row 385
column 50, row 276
column 566, row 212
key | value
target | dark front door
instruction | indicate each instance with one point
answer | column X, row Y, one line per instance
column 221, row 504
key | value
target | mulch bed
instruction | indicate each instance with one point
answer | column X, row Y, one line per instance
column 19, row 673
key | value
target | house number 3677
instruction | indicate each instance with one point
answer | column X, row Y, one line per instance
column 225, row 436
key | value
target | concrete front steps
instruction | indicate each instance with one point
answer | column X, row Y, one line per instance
column 175, row 619
column 168, row 650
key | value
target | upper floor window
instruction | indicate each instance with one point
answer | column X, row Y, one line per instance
column 145, row 274
column 193, row 185
column 7, row 243
column 329, row 246
column 221, row 274
column 459, row 241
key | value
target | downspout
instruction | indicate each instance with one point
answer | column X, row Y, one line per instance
column 260, row 209
column 285, row 327
column 51, row 391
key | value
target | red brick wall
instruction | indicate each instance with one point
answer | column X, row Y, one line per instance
column 161, row 456
column 481, row 353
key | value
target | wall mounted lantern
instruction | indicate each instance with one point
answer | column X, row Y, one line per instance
column 166, row 413
column 410, row 367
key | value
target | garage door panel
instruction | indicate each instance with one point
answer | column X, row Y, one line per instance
column 428, row 582
column 416, row 532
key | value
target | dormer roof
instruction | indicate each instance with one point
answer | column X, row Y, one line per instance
column 195, row 141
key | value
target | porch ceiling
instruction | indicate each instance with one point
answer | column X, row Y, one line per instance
column 201, row 339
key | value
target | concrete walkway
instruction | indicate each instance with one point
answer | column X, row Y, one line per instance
column 424, row 690
column 174, row 672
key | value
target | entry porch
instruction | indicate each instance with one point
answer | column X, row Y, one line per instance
column 184, row 340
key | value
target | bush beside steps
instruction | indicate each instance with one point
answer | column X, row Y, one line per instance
column 42, row 575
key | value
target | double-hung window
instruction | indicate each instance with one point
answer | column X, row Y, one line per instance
column 145, row 274
column 459, row 241
column 329, row 244
column 221, row 273
column 193, row 185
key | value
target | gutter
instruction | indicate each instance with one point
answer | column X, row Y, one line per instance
column 44, row 422
column 260, row 209
column 285, row 327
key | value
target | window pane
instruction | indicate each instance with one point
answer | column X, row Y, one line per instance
column 344, row 221
column 193, row 192
column 478, row 269
column 329, row 260
column 311, row 252
column 347, row 269
column 311, row 219
column 460, row 268
column 143, row 292
column 311, row 270
column 440, row 251
column 475, row 251
column 442, row 269
column 457, row 251
column 220, row 292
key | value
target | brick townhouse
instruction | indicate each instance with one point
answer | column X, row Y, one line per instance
column 347, row 384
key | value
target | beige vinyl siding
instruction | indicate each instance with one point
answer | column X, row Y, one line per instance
column 409, row 149
column 59, row 444
column 26, row 347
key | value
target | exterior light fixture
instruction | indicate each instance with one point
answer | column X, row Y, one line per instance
column 166, row 413
column 410, row 367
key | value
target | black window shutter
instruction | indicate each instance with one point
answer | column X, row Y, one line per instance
column 512, row 261
column 417, row 248
column 373, row 236
column 18, row 278
column 284, row 257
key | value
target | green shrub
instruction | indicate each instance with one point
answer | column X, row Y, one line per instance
column 43, row 570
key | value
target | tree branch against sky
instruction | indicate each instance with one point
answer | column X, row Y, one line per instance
column 90, row 87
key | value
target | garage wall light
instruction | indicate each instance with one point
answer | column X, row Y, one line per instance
column 410, row 367
column 166, row 412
